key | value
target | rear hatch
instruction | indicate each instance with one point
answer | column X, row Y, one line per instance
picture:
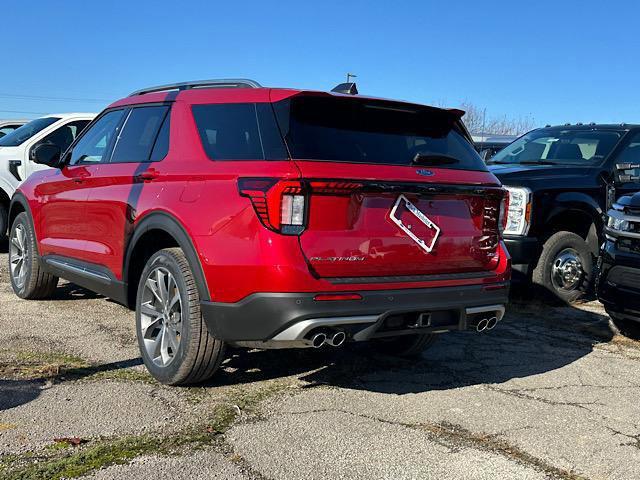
column 392, row 189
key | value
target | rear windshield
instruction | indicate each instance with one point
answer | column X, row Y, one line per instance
column 373, row 131
column 25, row 132
column 559, row 147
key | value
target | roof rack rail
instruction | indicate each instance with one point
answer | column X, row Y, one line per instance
column 214, row 83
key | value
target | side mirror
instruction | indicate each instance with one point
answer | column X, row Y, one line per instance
column 47, row 154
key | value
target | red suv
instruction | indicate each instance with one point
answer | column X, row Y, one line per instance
column 229, row 213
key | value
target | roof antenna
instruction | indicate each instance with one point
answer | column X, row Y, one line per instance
column 348, row 88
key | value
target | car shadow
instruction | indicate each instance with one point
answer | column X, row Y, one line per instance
column 532, row 339
column 71, row 291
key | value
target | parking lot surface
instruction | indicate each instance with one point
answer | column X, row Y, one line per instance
column 552, row 392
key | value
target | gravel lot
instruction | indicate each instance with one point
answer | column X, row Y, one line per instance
column 551, row 393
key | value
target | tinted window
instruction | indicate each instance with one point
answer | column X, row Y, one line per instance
column 239, row 131
column 161, row 147
column 94, row 144
column 7, row 129
column 25, row 132
column 374, row 131
column 64, row 136
column 559, row 146
column 138, row 135
column 631, row 153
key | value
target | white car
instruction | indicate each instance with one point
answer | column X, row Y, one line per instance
column 16, row 148
column 8, row 126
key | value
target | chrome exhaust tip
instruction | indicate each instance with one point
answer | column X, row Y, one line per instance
column 482, row 325
column 491, row 323
column 337, row 339
column 317, row 340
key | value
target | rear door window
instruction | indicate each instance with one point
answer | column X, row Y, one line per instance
column 138, row 135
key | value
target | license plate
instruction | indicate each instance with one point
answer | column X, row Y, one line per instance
column 424, row 232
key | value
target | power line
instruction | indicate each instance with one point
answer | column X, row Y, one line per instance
column 22, row 111
column 39, row 97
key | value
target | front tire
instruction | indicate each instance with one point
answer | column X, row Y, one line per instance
column 174, row 342
column 28, row 280
column 565, row 267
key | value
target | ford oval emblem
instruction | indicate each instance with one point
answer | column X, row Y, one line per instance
column 424, row 172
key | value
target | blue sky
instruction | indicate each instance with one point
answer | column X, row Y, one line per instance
column 553, row 61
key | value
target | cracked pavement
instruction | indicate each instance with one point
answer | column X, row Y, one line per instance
column 552, row 392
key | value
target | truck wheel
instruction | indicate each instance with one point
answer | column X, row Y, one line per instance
column 175, row 344
column 27, row 278
column 404, row 345
column 626, row 327
column 565, row 266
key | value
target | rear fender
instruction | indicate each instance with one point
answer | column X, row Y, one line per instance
column 167, row 223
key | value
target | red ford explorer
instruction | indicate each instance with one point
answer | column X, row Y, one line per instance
column 229, row 213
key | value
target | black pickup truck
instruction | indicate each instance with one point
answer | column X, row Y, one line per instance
column 562, row 180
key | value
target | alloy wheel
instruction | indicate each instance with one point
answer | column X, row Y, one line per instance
column 18, row 255
column 161, row 316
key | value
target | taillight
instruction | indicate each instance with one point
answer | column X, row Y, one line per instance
column 494, row 208
column 504, row 210
column 334, row 187
column 279, row 204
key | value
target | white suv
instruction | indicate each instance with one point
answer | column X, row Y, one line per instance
column 16, row 150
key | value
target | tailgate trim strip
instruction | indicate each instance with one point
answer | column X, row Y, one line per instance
column 410, row 278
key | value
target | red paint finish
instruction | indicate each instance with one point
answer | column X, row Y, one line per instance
column 91, row 212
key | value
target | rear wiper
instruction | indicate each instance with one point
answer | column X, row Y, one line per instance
column 433, row 159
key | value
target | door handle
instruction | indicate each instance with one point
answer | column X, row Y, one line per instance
column 147, row 176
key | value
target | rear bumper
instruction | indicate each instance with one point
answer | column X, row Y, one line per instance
column 263, row 316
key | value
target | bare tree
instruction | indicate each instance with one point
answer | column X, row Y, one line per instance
column 477, row 121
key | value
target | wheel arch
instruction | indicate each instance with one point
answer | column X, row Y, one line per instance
column 18, row 205
column 578, row 213
column 155, row 231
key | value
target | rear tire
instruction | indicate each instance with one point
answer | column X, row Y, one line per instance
column 404, row 345
column 174, row 341
column 28, row 279
column 628, row 328
column 565, row 267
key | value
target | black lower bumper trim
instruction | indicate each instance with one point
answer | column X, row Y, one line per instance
column 261, row 316
column 523, row 250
